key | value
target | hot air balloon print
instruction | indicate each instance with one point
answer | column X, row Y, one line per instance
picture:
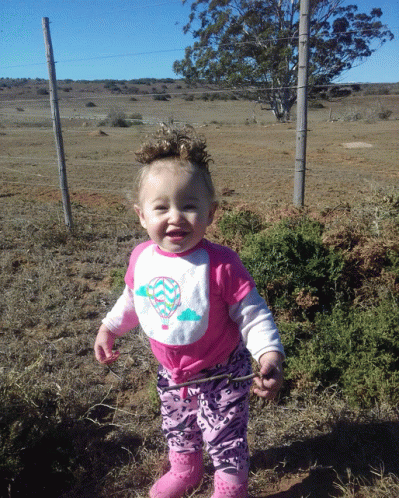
column 165, row 297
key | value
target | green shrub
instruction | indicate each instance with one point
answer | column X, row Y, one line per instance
column 377, row 90
column 164, row 98
column 358, row 350
column 237, row 224
column 313, row 104
column 294, row 334
column 336, row 305
column 292, row 268
column 116, row 119
column 384, row 114
column 118, row 279
column 219, row 96
column 136, row 119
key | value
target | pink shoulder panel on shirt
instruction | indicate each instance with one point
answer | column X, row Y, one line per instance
column 228, row 273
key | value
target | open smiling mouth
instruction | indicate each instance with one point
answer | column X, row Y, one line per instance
column 176, row 234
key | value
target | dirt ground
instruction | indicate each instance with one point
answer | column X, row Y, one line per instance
column 350, row 151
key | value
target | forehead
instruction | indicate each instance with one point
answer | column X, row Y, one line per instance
column 162, row 174
column 174, row 172
column 171, row 166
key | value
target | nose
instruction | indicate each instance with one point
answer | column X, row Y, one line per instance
column 175, row 216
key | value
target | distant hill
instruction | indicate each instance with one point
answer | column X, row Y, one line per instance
column 168, row 88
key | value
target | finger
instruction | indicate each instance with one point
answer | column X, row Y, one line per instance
column 99, row 354
column 268, row 370
column 267, row 388
column 266, row 381
column 113, row 356
column 266, row 394
column 105, row 356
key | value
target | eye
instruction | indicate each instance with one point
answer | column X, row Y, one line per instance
column 190, row 207
column 160, row 207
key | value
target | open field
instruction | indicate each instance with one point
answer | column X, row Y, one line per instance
column 255, row 160
column 81, row 430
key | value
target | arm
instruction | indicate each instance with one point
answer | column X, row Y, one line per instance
column 262, row 338
column 118, row 321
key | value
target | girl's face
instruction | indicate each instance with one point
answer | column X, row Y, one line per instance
column 175, row 207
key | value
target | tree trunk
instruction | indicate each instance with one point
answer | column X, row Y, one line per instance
column 281, row 109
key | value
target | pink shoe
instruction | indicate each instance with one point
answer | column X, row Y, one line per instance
column 227, row 486
column 186, row 471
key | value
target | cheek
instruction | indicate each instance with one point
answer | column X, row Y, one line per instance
column 153, row 222
column 204, row 219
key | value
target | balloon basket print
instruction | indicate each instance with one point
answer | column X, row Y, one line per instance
column 165, row 297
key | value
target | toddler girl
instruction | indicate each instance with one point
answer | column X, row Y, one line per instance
column 203, row 316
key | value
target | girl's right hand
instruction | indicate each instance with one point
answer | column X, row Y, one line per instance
column 103, row 346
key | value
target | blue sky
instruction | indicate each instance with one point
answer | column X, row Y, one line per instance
column 129, row 39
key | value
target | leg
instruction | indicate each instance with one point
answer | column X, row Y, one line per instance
column 179, row 417
column 179, row 424
column 223, row 419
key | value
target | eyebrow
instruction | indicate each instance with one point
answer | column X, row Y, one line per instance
column 189, row 198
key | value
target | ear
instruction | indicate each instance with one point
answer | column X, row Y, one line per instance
column 139, row 213
column 212, row 211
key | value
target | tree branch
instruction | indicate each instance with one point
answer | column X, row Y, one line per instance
column 207, row 379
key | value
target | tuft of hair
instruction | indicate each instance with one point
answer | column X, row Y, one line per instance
column 182, row 144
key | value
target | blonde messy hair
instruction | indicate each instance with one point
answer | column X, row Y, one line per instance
column 184, row 147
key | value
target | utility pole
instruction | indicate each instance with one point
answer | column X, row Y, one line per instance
column 302, row 91
column 57, row 123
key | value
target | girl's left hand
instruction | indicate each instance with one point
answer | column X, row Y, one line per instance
column 270, row 377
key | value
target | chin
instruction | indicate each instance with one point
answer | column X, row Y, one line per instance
column 176, row 248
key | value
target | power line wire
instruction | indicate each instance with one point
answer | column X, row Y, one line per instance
column 134, row 54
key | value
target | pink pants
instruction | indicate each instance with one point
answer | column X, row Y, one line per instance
column 214, row 412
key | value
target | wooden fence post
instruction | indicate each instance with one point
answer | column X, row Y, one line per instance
column 301, row 118
column 57, row 123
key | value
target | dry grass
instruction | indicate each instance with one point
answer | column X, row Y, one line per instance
column 97, row 430
column 382, row 485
